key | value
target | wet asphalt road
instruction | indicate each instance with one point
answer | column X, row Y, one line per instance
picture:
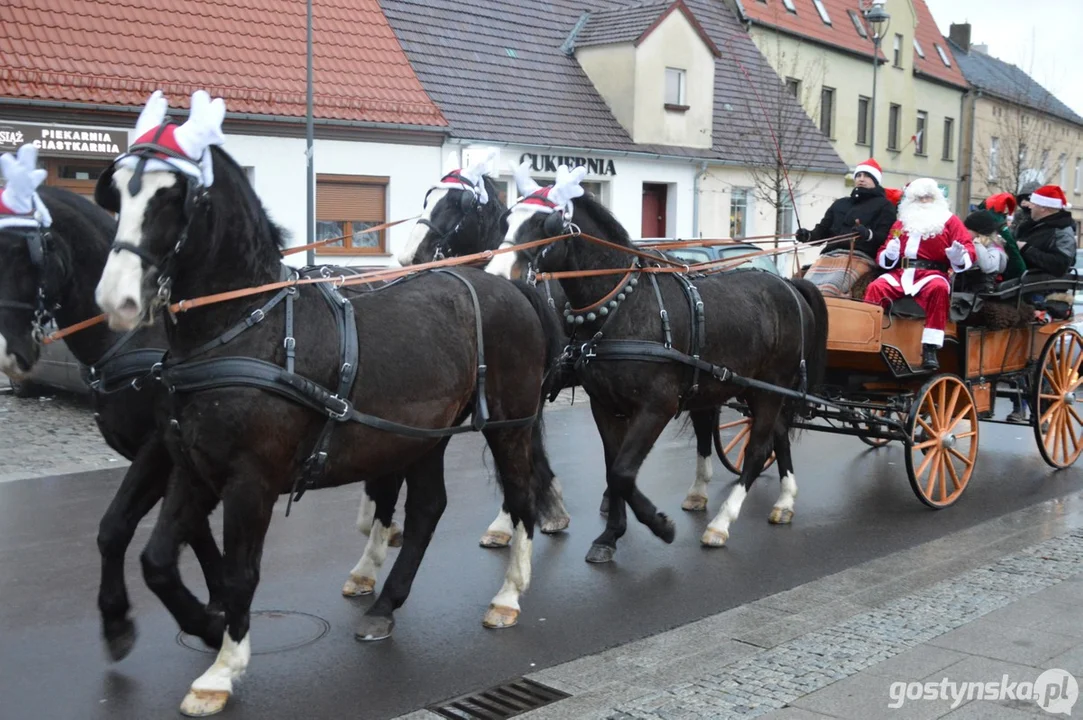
column 854, row 505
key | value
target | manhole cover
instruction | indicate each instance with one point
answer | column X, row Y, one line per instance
column 272, row 631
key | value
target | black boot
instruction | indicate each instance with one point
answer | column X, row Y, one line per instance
column 928, row 357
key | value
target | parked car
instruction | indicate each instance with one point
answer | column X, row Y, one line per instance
column 712, row 253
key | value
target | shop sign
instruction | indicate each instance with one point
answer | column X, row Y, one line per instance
column 64, row 140
column 550, row 163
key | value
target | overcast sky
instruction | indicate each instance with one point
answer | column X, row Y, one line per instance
column 1040, row 36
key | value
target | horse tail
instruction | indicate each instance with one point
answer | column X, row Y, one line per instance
column 815, row 346
column 548, row 500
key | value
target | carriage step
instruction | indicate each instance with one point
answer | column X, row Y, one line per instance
column 506, row 700
column 896, row 361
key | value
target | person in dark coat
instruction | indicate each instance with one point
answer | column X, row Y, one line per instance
column 1047, row 240
column 869, row 213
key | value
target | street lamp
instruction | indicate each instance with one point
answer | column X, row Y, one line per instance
column 878, row 20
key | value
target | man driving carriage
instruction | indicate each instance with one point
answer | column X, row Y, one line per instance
column 924, row 244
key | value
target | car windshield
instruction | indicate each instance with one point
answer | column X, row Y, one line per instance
column 761, row 262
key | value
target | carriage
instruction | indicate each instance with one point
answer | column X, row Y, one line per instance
column 877, row 390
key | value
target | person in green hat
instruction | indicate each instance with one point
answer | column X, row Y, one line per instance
column 1002, row 206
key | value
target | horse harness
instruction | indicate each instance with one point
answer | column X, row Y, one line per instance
column 38, row 235
column 468, row 202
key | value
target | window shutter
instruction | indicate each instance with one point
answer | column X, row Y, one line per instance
column 345, row 201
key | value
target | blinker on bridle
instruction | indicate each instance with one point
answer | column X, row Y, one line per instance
column 37, row 242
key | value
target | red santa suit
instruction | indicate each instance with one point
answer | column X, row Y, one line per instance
column 920, row 248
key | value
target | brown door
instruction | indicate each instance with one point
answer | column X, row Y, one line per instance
column 654, row 211
column 79, row 176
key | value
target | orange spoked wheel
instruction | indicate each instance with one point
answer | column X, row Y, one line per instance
column 734, row 436
column 1058, row 426
column 943, row 443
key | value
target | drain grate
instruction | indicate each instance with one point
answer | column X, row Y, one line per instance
column 506, row 700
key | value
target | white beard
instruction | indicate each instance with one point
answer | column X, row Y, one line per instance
column 923, row 220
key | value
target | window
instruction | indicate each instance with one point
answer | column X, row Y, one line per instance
column 949, row 138
column 1078, row 175
column 898, row 51
column 943, row 55
column 822, row 10
column 789, row 6
column 917, row 48
column 1043, row 166
column 893, row 126
column 345, row 206
column 793, row 86
column 1062, row 163
column 789, row 222
column 827, row 111
column 738, row 212
column 675, row 87
column 994, row 157
column 863, row 120
column 919, row 132
column 858, row 25
column 597, row 190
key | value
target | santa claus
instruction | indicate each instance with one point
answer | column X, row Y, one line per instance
column 922, row 247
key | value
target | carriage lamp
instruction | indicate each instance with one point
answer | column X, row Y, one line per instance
column 879, row 20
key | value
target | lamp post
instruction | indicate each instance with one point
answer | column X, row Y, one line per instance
column 879, row 20
column 310, row 170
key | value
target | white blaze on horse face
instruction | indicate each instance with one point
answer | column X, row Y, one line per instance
column 417, row 235
column 503, row 265
column 119, row 292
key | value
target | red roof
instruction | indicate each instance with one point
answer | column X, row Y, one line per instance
column 842, row 32
column 250, row 52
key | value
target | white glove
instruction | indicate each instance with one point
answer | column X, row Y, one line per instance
column 21, row 179
column 891, row 252
column 957, row 254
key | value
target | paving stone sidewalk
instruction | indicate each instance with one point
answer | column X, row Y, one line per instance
column 1001, row 602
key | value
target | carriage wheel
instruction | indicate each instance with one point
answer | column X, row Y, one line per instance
column 733, row 449
column 943, row 443
column 1058, row 427
column 873, row 442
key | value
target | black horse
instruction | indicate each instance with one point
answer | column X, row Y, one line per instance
column 754, row 324
column 59, row 266
column 455, row 224
column 244, row 444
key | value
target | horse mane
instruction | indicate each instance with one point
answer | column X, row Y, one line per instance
column 76, row 221
column 238, row 216
column 605, row 223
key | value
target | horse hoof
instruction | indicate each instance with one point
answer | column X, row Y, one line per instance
column 495, row 539
column 201, row 703
column 666, row 530
column 374, row 627
column 780, row 516
column 498, row 616
column 356, row 587
column 601, row 554
column 695, row 503
column 714, row 538
column 395, row 537
column 119, row 639
column 552, row 527
column 603, row 509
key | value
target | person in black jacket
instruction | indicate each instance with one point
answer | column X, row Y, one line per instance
column 868, row 212
column 1047, row 240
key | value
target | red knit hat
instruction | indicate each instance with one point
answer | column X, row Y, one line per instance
column 1049, row 196
column 871, row 167
column 1003, row 203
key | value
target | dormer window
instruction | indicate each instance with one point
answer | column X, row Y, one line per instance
column 822, row 10
column 943, row 55
column 917, row 47
column 675, row 89
column 858, row 25
column 789, row 6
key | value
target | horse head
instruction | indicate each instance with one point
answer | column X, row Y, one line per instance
column 156, row 189
column 460, row 216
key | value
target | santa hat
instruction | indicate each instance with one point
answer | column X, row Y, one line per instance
column 1003, row 203
column 20, row 206
column 471, row 178
column 1050, row 196
column 555, row 197
column 871, row 167
column 174, row 148
column 894, row 195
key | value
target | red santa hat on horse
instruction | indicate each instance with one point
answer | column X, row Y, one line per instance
column 922, row 247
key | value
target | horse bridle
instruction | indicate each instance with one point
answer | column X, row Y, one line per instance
column 196, row 194
column 38, row 241
column 469, row 203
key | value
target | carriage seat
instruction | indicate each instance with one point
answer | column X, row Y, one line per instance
column 1035, row 281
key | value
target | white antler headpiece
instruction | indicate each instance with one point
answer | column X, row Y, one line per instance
column 477, row 172
column 153, row 114
column 21, row 181
column 184, row 148
column 566, row 187
column 202, row 129
column 523, row 182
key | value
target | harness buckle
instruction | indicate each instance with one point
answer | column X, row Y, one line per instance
column 257, row 316
column 587, row 351
column 289, row 343
column 341, row 415
column 346, row 367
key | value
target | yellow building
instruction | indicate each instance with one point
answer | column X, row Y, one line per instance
column 824, row 50
column 1014, row 131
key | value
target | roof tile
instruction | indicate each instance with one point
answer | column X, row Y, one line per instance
column 250, row 52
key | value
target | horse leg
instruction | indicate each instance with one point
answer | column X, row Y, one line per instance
column 426, row 498
column 553, row 517
column 512, row 456
column 765, row 409
column 704, row 423
column 185, row 505
column 498, row 534
column 247, row 508
column 143, row 486
column 383, row 493
column 367, row 511
column 627, row 445
column 210, row 561
column 782, row 512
